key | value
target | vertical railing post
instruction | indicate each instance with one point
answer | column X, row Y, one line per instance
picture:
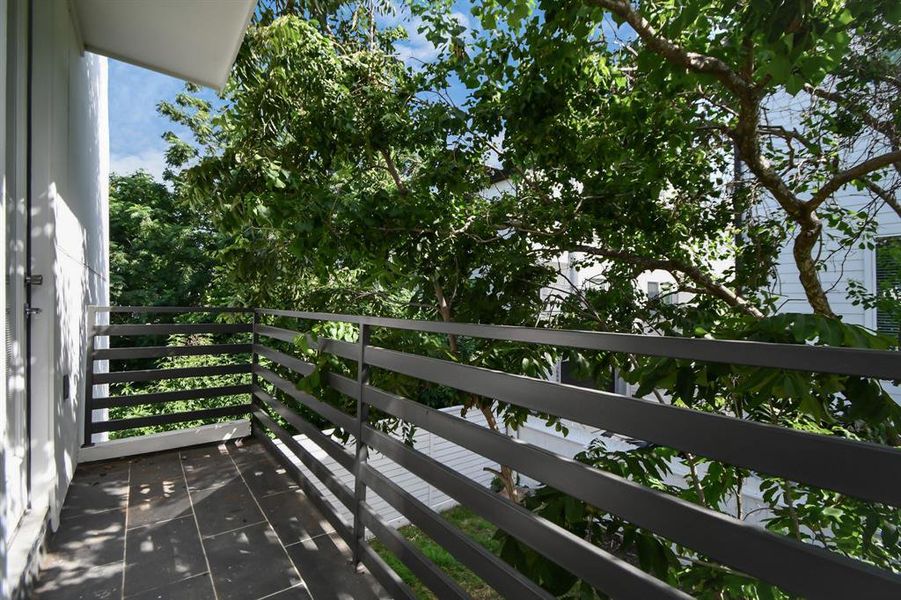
column 89, row 380
column 254, row 362
column 362, row 453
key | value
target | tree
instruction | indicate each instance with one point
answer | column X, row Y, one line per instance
column 340, row 187
column 347, row 181
column 160, row 253
column 805, row 93
column 620, row 122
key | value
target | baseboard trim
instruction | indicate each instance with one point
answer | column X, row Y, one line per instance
column 167, row 440
column 24, row 555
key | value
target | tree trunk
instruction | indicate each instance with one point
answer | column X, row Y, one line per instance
column 807, row 239
column 445, row 312
column 506, row 473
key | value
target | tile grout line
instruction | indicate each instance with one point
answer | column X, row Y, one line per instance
column 262, row 512
column 311, row 538
column 160, row 522
column 272, row 494
column 69, row 517
column 125, row 531
column 206, row 559
column 301, row 584
column 218, row 533
column 164, row 585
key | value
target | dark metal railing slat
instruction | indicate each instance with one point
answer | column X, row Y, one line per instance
column 342, row 527
column 166, row 351
column 601, row 569
column 88, row 415
column 179, row 373
column 337, row 347
column 163, row 397
column 746, row 547
column 173, row 309
column 168, row 419
column 301, row 367
column 304, row 427
column 386, row 576
column 322, row 472
column 361, row 454
column 94, row 354
column 494, row 571
column 880, row 364
column 425, row 570
column 177, row 328
column 277, row 333
column 824, row 461
column 327, row 411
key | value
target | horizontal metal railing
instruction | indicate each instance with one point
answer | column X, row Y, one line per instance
column 161, row 330
column 864, row 470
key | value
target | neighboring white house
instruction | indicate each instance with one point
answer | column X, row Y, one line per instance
column 844, row 265
column 654, row 282
column 844, row 262
column 54, row 163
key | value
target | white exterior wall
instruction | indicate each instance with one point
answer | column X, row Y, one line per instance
column 5, row 193
column 69, row 235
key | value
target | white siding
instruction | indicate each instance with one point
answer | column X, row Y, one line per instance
column 843, row 266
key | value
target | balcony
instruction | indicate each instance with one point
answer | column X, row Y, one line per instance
column 288, row 506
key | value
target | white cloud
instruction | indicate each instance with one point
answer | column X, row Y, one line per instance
column 151, row 160
column 416, row 49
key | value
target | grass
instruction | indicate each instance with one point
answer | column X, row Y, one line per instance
column 470, row 524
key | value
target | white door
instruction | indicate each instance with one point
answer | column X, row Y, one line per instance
column 12, row 168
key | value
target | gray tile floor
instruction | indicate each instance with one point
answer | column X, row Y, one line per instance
column 213, row 522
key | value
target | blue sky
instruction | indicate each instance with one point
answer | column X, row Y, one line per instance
column 135, row 127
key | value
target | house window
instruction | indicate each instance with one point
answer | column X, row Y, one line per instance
column 888, row 284
column 662, row 291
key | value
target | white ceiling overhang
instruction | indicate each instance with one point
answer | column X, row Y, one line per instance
column 194, row 40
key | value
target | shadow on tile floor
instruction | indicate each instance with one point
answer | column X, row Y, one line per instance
column 219, row 522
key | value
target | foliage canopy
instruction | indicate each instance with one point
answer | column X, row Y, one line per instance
column 698, row 138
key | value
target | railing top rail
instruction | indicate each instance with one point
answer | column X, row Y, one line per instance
column 171, row 309
column 879, row 364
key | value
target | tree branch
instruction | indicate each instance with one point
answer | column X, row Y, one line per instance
column 392, row 168
column 848, row 175
column 884, row 127
column 887, row 196
column 702, row 279
column 693, row 61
